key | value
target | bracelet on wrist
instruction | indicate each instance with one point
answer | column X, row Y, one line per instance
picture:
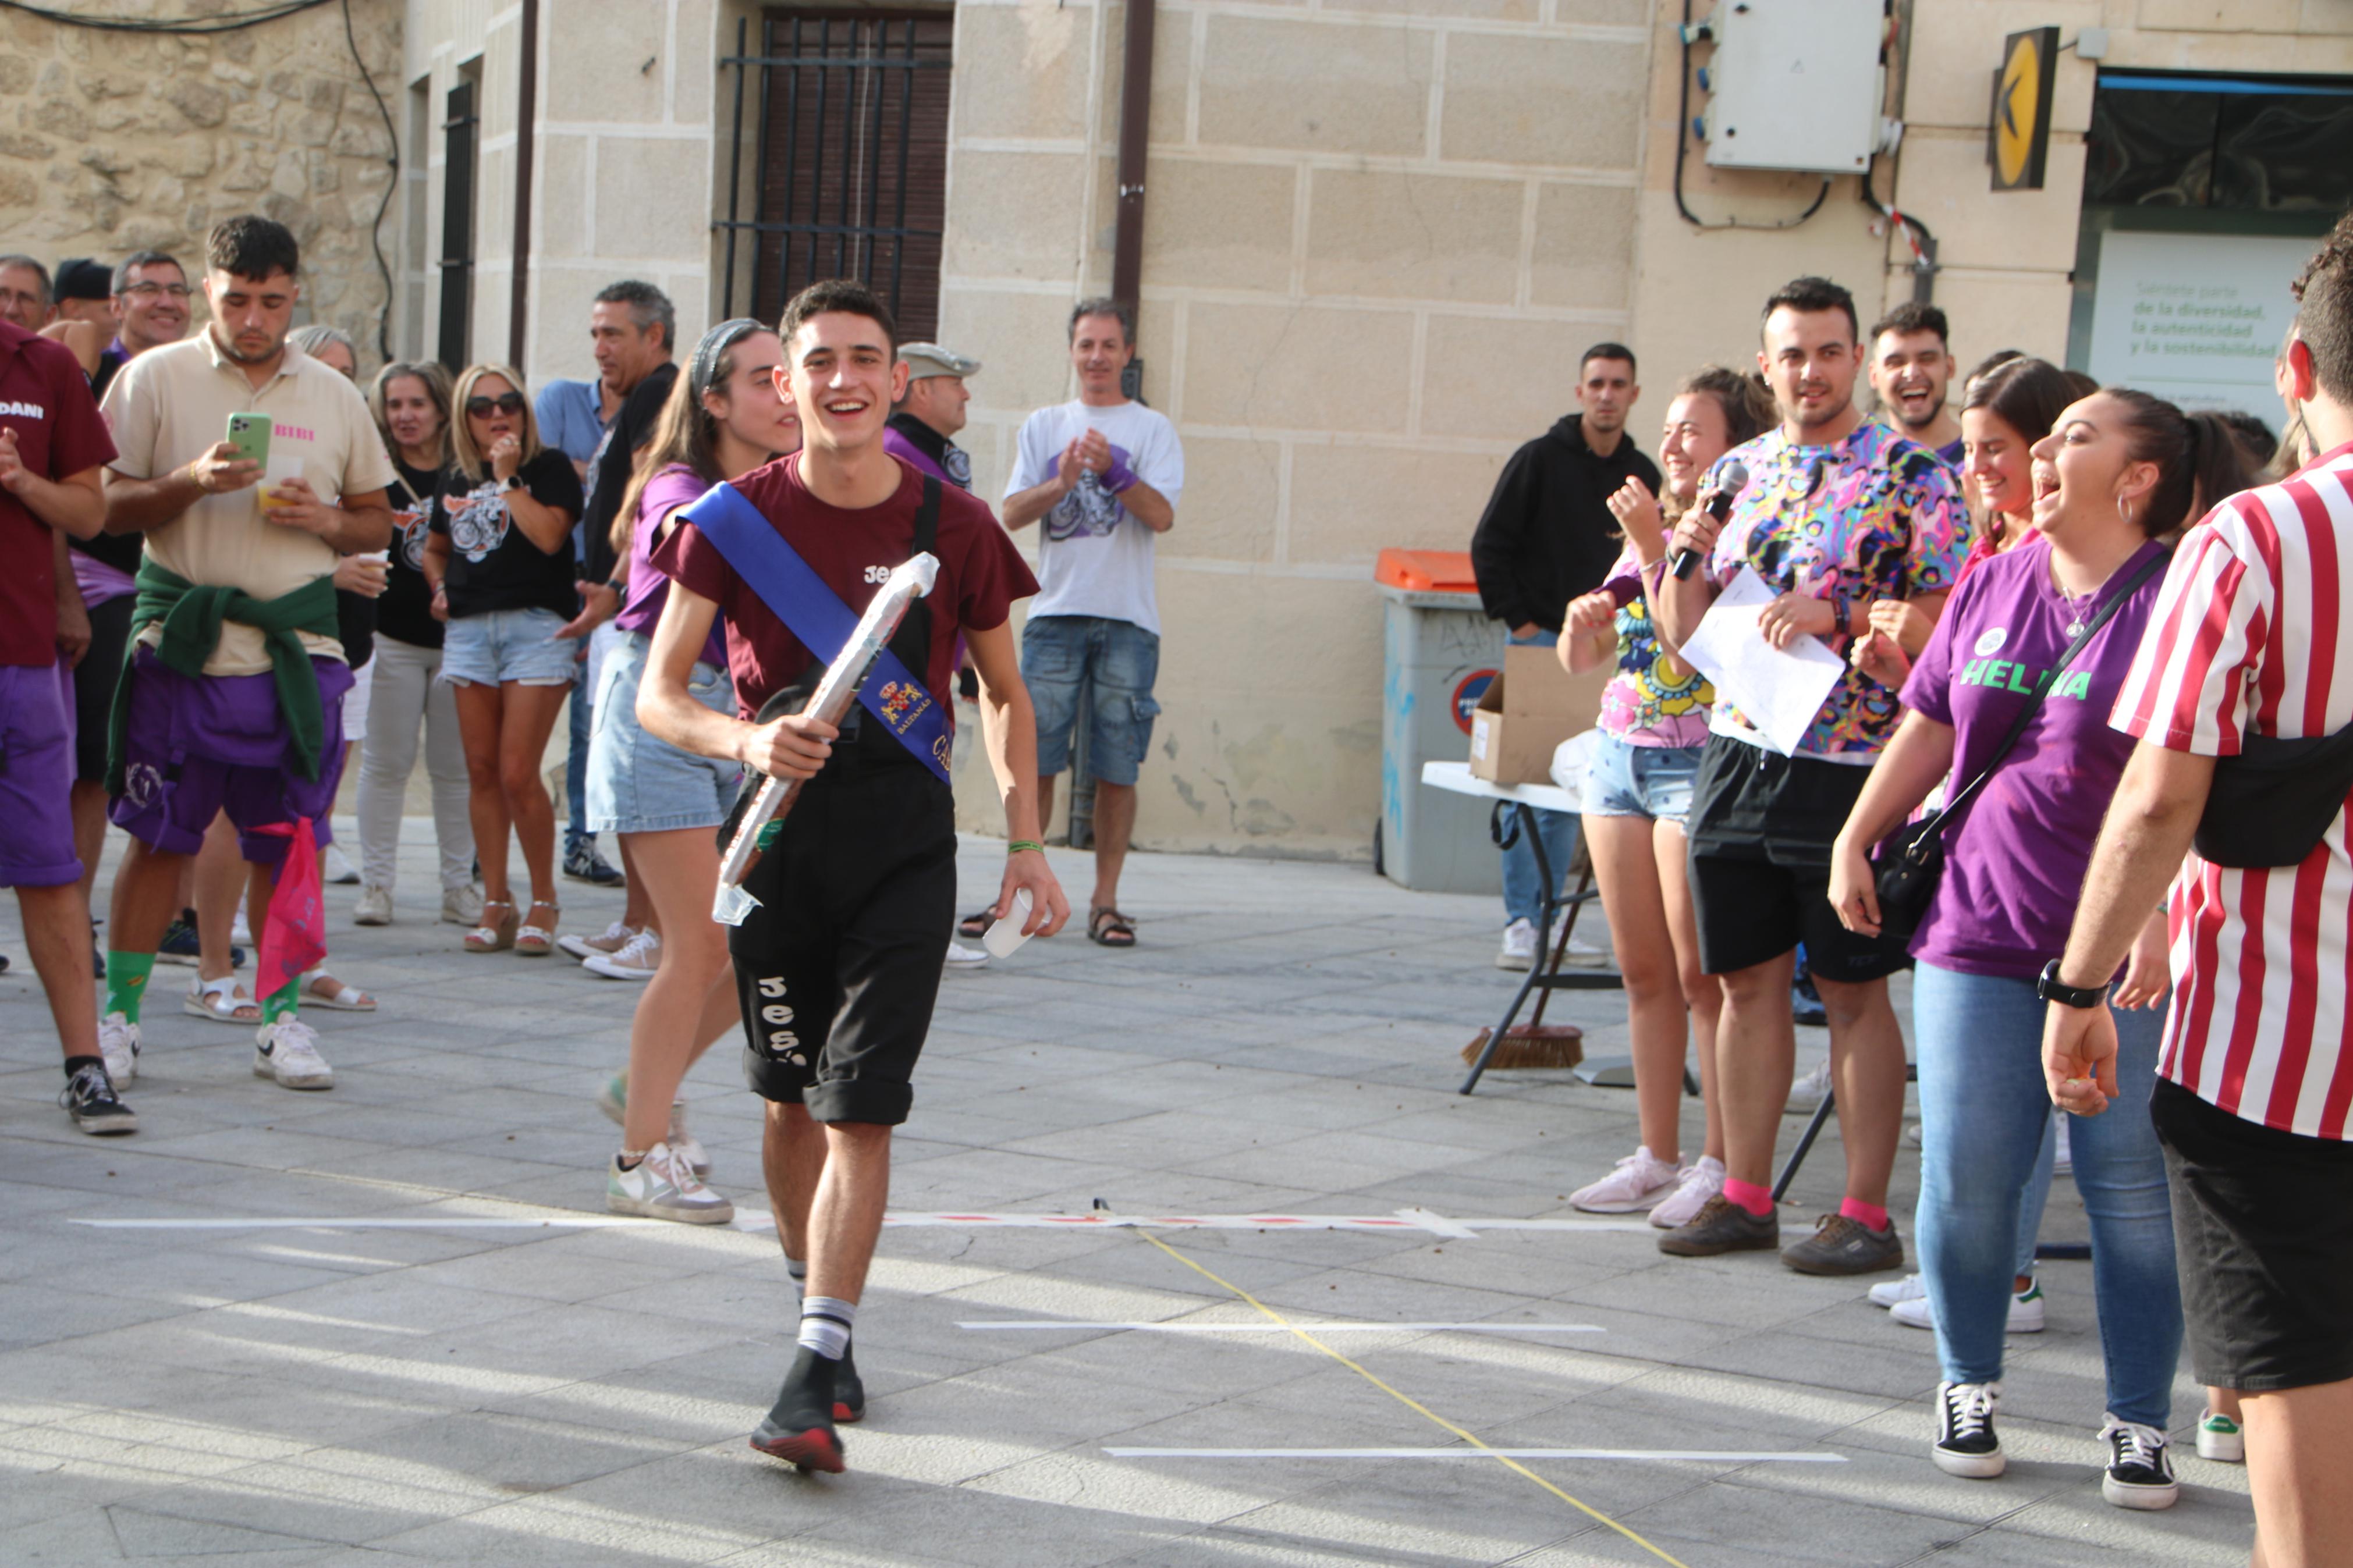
column 1017, row 846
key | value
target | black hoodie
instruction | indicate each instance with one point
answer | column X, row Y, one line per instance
column 1547, row 536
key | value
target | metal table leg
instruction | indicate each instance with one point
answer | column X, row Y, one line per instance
column 1511, row 819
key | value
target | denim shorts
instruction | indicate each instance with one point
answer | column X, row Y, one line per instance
column 500, row 646
column 1622, row 779
column 638, row 783
column 1061, row 652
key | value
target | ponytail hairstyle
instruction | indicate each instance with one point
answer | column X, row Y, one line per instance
column 685, row 432
column 1749, row 411
column 2199, row 459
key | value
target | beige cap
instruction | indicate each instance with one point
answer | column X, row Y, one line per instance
column 931, row 359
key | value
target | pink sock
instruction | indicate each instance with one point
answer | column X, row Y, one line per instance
column 1757, row 1200
column 1863, row 1213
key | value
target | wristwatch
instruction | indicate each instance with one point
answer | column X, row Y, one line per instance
column 2051, row 988
column 511, row 482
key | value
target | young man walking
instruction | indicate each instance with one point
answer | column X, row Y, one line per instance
column 1102, row 474
column 2247, row 650
column 839, row 965
column 232, row 696
column 52, row 445
column 1838, row 510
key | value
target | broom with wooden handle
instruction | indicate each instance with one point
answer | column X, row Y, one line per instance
column 1536, row 1044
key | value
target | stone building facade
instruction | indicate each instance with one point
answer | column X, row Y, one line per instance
column 112, row 142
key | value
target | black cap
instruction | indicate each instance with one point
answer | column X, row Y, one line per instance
column 82, row 278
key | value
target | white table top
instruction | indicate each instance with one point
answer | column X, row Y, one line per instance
column 1457, row 777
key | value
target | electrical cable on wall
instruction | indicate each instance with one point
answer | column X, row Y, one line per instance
column 1682, row 147
column 237, row 21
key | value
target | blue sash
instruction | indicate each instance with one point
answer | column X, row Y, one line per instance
column 814, row 613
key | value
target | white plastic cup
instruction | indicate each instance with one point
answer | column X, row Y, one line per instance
column 1006, row 935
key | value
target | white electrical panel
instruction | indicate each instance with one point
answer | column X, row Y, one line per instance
column 1794, row 84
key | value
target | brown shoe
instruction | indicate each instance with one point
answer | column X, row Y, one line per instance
column 1843, row 1246
column 1721, row 1226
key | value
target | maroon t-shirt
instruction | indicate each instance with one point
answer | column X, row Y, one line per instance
column 45, row 399
column 980, row 573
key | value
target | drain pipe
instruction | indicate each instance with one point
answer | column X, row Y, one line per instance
column 526, row 111
column 1135, row 130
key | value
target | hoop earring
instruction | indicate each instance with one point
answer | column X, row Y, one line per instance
column 2123, row 509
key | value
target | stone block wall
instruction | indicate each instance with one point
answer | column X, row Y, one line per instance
column 112, row 142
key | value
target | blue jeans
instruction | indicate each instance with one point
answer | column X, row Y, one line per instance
column 1061, row 653
column 575, row 763
column 1984, row 1117
column 1524, row 890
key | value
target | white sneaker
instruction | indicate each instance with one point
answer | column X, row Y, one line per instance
column 118, row 1044
column 1639, row 1181
column 461, row 905
column 961, row 957
column 1519, row 949
column 663, row 1187
column 1888, row 1293
column 335, row 866
column 1700, row 1182
column 614, row 938
column 2062, row 1159
column 2219, row 1439
column 375, row 907
column 637, row 959
column 2025, row 1311
column 288, row 1050
column 1806, row 1093
column 240, row 930
column 1582, row 954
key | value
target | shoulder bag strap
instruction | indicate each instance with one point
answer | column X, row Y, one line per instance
column 2148, row 569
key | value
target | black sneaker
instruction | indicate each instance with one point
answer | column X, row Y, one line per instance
column 800, row 1429
column 848, row 1389
column 1721, row 1226
column 1843, row 1246
column 582, row 864
column 1966, row 1444
column 179, row 944
column 89, row 1099
column 2140, row 1470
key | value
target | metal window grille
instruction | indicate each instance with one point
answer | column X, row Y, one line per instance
column 459, row 131
column 849, row 150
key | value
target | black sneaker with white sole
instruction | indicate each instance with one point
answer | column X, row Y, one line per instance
column 89, row 1099
column 1966, row 1444
column 2140, row 1470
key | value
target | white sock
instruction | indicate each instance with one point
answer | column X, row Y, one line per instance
column 825, row 1325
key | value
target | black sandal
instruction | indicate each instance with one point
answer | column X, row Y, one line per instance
column 976, row 926
column 1109, row 927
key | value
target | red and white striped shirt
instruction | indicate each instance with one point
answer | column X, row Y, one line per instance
column 2247, row 640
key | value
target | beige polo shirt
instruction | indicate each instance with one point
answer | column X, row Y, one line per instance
column 170, row 405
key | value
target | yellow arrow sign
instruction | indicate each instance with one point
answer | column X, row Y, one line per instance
column 2022, row 109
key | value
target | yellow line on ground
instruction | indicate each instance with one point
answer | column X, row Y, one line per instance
column 1411, row 1403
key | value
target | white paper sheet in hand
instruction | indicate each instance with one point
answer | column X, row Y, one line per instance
column 1777, row 690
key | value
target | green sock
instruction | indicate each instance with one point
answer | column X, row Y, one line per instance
column 126, row 982
column 282, row 1002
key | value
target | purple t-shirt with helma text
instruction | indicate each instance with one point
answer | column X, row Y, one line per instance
column 2014, row 862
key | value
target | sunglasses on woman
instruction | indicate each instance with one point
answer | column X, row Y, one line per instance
column 505, row 402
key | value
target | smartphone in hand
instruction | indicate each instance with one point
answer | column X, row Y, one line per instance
column 250, row 434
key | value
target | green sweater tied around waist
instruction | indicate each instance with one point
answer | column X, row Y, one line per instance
column 192, row 617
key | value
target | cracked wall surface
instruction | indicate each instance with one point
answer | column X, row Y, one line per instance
column 112, row 142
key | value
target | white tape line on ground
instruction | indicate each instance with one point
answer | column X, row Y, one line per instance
column 363, row 1221
column 1405, row 1221
column 1704, row 1455
column 1050, row 1323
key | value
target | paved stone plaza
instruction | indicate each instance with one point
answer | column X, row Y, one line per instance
column 1283, row 1042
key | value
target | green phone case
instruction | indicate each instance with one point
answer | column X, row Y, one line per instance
column 250, row 434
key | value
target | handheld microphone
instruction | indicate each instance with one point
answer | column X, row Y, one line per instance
column 1719, row 506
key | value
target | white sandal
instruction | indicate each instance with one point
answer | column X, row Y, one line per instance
column 220, row 1000
column 345, row 999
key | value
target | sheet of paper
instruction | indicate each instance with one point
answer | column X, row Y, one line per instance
column 1777, row 690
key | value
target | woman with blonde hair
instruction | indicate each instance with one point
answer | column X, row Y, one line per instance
column 499, row 565
column 412, row 408
column 723, row 420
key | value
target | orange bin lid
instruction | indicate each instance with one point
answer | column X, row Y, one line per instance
column 1427, row 570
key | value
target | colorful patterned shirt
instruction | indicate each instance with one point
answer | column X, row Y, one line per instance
column 1871, row 516
column 1647, row 703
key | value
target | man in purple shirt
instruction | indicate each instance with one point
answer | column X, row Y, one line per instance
column 932, row 410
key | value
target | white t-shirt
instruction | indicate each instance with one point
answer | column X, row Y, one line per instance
column 1094, row 557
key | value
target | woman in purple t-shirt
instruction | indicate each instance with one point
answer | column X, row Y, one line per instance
column 2119, row 472
column 1638, row 791
column 723, row 420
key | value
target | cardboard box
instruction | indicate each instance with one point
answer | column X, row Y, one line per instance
column 1527, row 712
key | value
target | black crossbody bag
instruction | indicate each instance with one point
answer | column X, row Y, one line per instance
column 2271, row 804
column 1912, row 859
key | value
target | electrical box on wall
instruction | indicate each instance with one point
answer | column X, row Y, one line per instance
column 1794, row 84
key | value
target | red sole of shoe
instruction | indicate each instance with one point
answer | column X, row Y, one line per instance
column 845, row 1416
column 814, row 1449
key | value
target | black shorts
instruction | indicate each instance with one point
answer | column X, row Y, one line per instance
column 839, row 966
column 94, row 681
column 2262, row 1236
column 1760, row 829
